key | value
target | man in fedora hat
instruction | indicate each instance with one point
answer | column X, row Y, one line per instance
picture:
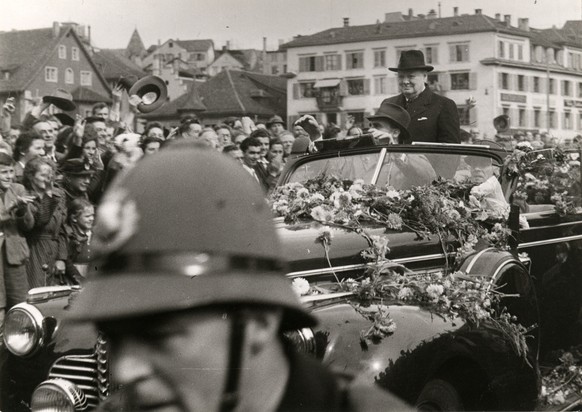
column 433, row 118
column 77, row 174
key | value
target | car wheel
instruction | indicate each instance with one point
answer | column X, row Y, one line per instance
column 439, row 395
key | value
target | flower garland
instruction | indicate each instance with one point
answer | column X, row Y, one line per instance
column 545, row 177
column 565, row 379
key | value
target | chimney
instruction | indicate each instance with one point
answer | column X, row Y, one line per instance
column 523, row 24
column 507, row 19
column 498, row 16
column 89, row 35
column 478, row 11
column 410, row 13
column 56, row 28
column 264, row 56
column 227, row 45
column 455, row 11
column 346, row 22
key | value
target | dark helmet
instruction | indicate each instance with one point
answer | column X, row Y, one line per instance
column 184, row 229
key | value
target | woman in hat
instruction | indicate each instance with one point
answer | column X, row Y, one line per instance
column 44, row 226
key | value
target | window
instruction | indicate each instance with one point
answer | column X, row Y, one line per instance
column 74, row 53
column 284, row 68
column 311, row 64
column 566, row 91
column 579, row 89
column 552, row 86
column 537, row 117
column 431, row 54
column 274, row 70
column 62, row 51
column 464, row 114
column 505, row 110
column 355, row 87
column 520, row 52
column 521, row 118
column 501, row 46
column 504, row 81
column 521, row 83
column 171, row 45
column 355, row 60
column 200, row 57
column 567, row 121
column 536, row 85
column 511, row 47
column 51, row 74
column 358, row 118
column 379, row 58
column 306, row 89
column 459, row 52
column 380, row 85
column 332, row 62
column 459, row 81
column 86, row 78
column 69, row 76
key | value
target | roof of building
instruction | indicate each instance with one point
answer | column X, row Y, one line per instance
column 84, row 94
column 230, row 92
column 114, row 65
column 244, row 56
column 199, row 45
column 24, row 53
column 135, row 47
column 462, row 24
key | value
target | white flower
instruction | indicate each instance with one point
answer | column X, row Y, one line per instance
column 340, row 199
column 405, row 293
column 300, row 286
column 316, row 197
column 434, row 291
column 320, row 214
column 303, row 193
column 393, row 194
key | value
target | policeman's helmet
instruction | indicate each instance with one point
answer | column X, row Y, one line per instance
column 186, row 228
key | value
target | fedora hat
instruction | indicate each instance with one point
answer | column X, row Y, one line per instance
column 275, row 119
column 76, row 167
column 396, row 114
column 62, row 99
column 411, row 60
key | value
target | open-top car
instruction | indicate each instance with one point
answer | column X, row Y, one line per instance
column 423, row 280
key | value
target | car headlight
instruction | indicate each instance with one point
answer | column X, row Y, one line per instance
column 58, row 395
column 23, row 329
column 303, row 340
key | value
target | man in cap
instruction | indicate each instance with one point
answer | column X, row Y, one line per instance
column 276, row 126
column 77, row 174
column 195, row 318
column 434, row 118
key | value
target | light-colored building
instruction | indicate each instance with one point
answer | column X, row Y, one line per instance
column 228, row 59
column 477, row 58
column 197, row 53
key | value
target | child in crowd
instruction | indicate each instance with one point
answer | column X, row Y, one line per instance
column 79, row 226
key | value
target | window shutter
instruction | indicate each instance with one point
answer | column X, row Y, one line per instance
column 473, row 116
column 339, row 62
column 343, row 88
column 543, row 85
column 435, row 55
column 473, row 81
column 296, row 91
column 452, row 54
column 392, row 85
column 302, row 61
column 318, row 63
column 445, row 81
column 530, row 81
column 500, row 78
column 366, row 86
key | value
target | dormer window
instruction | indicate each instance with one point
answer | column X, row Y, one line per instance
column 62, row 51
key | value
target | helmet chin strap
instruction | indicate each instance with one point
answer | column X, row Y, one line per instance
column 230, row 395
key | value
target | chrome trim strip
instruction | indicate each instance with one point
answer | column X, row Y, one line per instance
column 549, row 241
column 549, row 226
column 324, row 296
column 475, row 258
column 346, row 268
column 379, row 166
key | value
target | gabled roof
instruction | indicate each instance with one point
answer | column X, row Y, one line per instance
column 84, row 94
column 135, row 46
column 463, row 24
column 243, row 56
column 200, row 45
column 113, row 64
column 25, row 53
column 229, row 93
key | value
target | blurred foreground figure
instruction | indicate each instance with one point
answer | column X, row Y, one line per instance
column 195, row 302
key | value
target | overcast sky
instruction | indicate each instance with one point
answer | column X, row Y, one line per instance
column 245, row 22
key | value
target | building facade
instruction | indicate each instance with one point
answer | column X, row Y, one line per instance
column 197, row 53
column 486, row 65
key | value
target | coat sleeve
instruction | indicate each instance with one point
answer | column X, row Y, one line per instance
column 448, row 123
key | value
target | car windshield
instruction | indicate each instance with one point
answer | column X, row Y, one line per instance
column 400, row 170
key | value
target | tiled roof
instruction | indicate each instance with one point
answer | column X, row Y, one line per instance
column 196, row 45
column 84, row 94
column 24, row 52
column 230, row 92
column 114, row 65
column 463, row 24
column 244, row 56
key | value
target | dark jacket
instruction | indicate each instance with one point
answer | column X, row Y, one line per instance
column 16, row 247
column 433, row 118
